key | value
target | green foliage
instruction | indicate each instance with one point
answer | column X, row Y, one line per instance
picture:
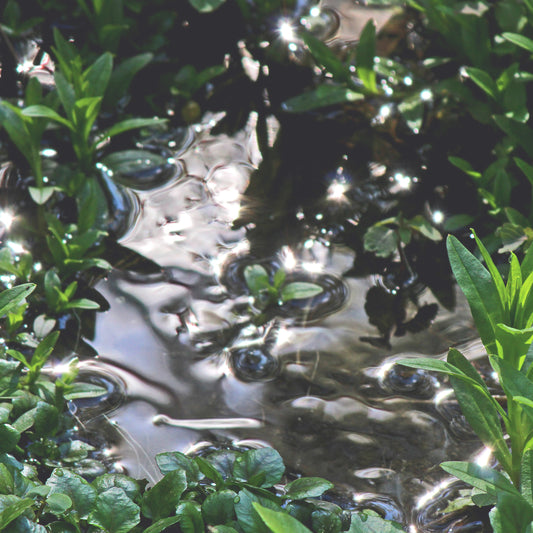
column 269, row 293
column 384, row 240
column 503, row 314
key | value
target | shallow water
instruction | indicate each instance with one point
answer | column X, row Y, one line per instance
column 195, row 372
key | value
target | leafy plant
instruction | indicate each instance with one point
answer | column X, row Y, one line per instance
column 268, row 294
column 384, row 240
column 80, row 93
column 503, row 314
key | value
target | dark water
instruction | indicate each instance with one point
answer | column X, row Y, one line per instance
column 194, row 371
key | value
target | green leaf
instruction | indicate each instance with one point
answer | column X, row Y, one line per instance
column 366, row 522
column 279, row 522
column 262, row 462
column 515, row 384
column 519, row 132
column 170, row 461
column 248, row 518
column 162, row 524
column 46, row 419
column 83, row 496
column 326, row 521
column 206, row 6
column 41, row 195
column 465, row 166
column 219, row 507
column 209, row 471
column 526, row 475
column 122, row 76
column 484, row 81
column 9, row 438
column 520, row 40
column 494, row 273
column 513, row 344
column 307, row 487
column 98, row 74
column 365, row 53
column 114, row 512
column 323, row 96
column 44, row 350
column 481, row 477
column 325, row 57
column 298, row 290
column 511, row 514
column 58, row 503
column 381, row 240
column 82, row 303
column 191, row 520
column 163, row 498
column 46, row 112
column 12, row 298
column 420, row 224
column 479, row 289
column 132, row 124
column 256, row 278
column 108, row 481
column 79, row 390
column 14, row 510
column 481, row 412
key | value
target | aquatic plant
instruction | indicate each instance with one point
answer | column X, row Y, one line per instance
column 267, row 294
column 503, row 315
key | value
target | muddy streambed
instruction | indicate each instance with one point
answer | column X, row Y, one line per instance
column 189, row 370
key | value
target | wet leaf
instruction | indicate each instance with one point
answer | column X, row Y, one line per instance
column 279, row 522
column 263, row 462
column 381, row 240
column 256, row 278
column 464, row 165
column 298, row 290
column 326, row 58
column 84, row 390
column 322, row 96
column 75, row 487
column 114, row 512
column 14, row 510
column 248, row 517
column 307, row 487
column 484, row 81
column 163, row 498
column 132, row 124
column 365, row 53
column 59, row 503
column 169, row 461
column 368, row 522
column 219, row 508
column 9, row 437
column 12, row 298
column 41, row 195
column 420, row 224
column 481, row 411
column 108, row 481
column 482, row 295
column 191, row 520
column 520, row 40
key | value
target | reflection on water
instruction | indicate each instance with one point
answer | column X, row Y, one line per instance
column 197, row 372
